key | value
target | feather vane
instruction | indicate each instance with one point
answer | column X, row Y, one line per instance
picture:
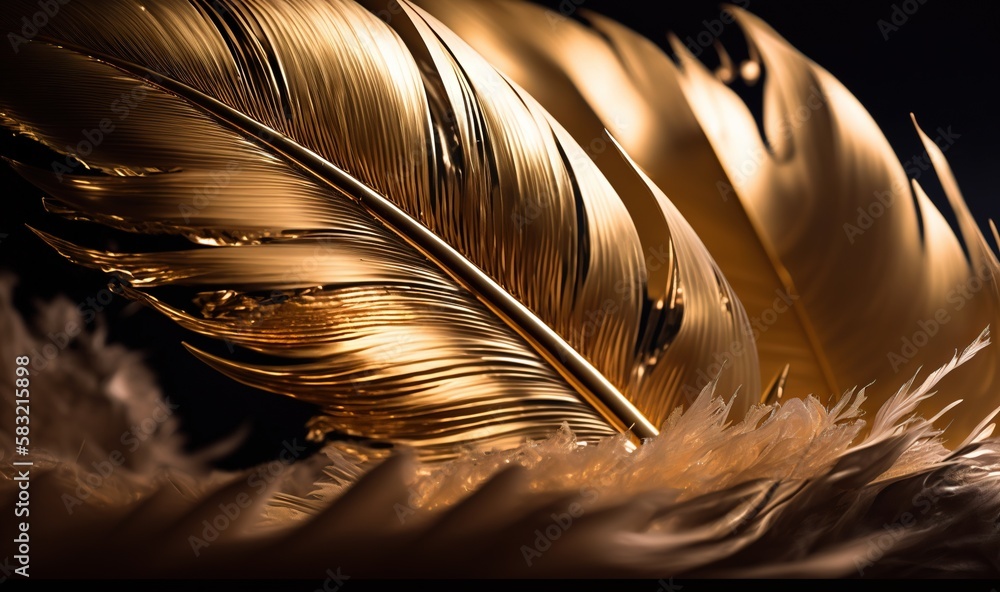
column 453, row 268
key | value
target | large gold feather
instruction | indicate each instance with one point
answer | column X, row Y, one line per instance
column 425, row 252
column 815, row 226
column 435, row 260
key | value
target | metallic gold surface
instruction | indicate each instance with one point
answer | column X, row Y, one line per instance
column 832, row 301
column 421, row 248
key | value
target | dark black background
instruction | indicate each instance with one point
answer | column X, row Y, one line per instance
column 940, row 64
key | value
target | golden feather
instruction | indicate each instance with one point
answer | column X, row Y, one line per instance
column 431, row 257
column 779, row 214
column 422, row 248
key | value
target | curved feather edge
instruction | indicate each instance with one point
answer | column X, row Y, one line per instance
column 837, row 157
column 782, row 493
column 819, row 209
column 489, row 150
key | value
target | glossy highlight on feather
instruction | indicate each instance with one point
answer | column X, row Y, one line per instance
column 776, row 211
column 420, row 242
column 453, row 268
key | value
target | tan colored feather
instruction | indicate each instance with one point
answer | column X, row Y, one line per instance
column 788, row 491
column 441, row 260
column 779, row 215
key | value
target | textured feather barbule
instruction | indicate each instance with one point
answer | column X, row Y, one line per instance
column 428, row 254
column 763, row 206
column 452, row 268
column 783, row 493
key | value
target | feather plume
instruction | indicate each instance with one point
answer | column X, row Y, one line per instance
column 425, row 248
column 763, row 205
column 436, row 261
column 791, row 490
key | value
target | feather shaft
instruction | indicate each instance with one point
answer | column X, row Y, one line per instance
column 591, row 384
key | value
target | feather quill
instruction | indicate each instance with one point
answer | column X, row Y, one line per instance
column 788, row 490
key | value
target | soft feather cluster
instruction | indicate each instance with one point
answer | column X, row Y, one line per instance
column 369, row 248
column 795, row 489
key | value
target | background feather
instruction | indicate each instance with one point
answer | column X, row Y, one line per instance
column 780, row 214
column 784, row 492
